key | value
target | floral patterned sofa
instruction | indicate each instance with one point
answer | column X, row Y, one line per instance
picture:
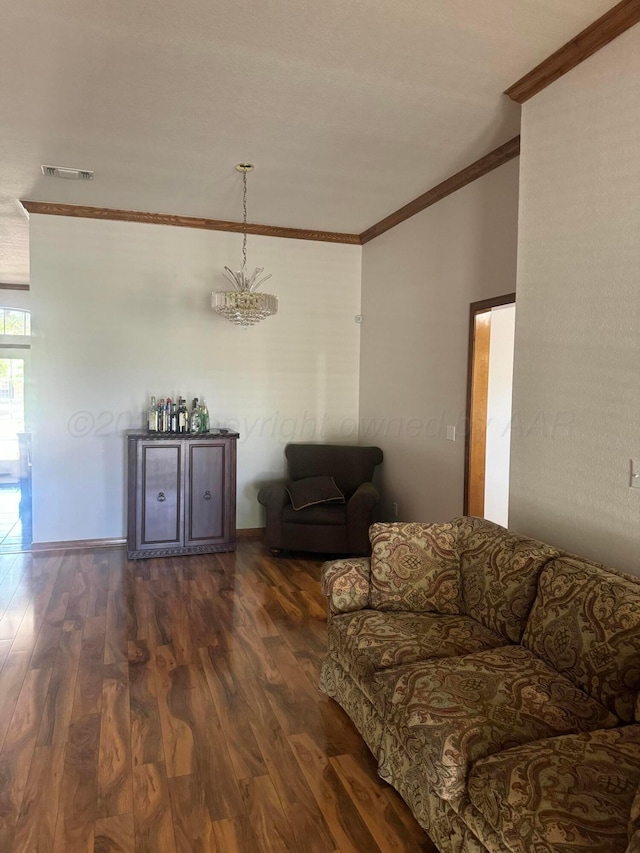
column 496, row 681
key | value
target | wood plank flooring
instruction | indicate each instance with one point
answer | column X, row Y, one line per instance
column 171, row 706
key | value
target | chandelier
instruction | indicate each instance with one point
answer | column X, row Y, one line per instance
column 244, row 305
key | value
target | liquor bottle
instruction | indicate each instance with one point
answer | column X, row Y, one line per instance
column 152, row 416
column 161, row 415
column 173, row 416
column 166, row 418
column 195, row 419
column 183, row 416
column 204, row 417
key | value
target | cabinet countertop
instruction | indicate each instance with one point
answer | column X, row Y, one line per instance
column 145, row 435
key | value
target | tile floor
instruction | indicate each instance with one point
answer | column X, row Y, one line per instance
column 15, row 518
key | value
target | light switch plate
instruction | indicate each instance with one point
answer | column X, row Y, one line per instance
column 634, row 480
column 451, row 433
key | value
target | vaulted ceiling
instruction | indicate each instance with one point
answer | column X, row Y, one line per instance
column 349, row 109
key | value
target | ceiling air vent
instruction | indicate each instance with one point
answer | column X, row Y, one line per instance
column 67, row 174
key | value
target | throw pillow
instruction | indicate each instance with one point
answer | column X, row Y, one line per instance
column 415, row 567
column 314, row 490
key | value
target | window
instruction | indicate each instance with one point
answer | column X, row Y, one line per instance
column 15, row 322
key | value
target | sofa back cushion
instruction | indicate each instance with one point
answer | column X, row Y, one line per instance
column 415, row 567
column 585, row 623
column 499, row 573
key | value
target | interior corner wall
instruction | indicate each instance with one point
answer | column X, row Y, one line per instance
column 122, row 311
column 418, row 281
column 577, row 365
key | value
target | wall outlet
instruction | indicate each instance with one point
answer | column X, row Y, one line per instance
column 634, row 479
column 451, row 433
column 394, row 507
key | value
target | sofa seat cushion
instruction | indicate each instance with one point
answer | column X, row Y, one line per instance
column 585, row 623
column 451, row 714
column 319, row 514
column 570, row 792
column 415, row 567
column 368, row 641
column 499, row 572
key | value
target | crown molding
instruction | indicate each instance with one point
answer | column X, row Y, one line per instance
column 471, row 173
column 451, row 185
column 598, row 34
column 106, row 213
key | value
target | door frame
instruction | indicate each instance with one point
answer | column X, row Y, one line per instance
column 475, row 309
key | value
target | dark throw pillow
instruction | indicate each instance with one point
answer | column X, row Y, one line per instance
column 314, row 490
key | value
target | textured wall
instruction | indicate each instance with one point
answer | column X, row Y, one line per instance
column 418, row 281
column 577, row 367
column 122, row 311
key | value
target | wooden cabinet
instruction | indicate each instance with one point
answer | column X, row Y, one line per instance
column 181, row 493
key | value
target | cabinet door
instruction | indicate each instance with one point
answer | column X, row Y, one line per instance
column 208, row 510
column 160, row 478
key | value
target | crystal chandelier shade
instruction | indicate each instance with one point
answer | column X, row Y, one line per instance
column 244, row 305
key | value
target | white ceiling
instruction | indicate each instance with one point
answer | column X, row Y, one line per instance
column 349, row 108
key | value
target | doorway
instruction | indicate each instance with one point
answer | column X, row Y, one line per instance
column 489, row 396
column 15, row 451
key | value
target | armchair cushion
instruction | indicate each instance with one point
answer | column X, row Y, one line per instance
column 314, row 490
column 320, row 514
column 415, row 567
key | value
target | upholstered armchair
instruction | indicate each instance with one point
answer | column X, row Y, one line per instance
column 330, row 484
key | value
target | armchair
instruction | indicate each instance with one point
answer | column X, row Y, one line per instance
column 326, row 528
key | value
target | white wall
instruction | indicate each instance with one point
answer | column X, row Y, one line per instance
column 499, row 398
column 577, row 367
column 418, row 281
column 122, row 311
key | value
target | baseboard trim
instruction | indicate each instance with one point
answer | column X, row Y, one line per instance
column 250, row 533
column 76, row 545
column 81, row 544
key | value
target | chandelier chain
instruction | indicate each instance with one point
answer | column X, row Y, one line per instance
column 244, row 220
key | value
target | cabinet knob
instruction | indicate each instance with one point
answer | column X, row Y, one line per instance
column 207, row 495
column 161, row 497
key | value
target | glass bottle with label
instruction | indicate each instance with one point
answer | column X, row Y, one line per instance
column 173, row 418
column 195, row 421
column 183, row 417
column 152, row 416
column 204, row 417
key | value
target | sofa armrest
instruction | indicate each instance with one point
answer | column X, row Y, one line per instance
column 275, row 497
column 346, row 584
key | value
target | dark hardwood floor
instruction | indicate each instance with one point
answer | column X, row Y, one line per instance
column 172, row 705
